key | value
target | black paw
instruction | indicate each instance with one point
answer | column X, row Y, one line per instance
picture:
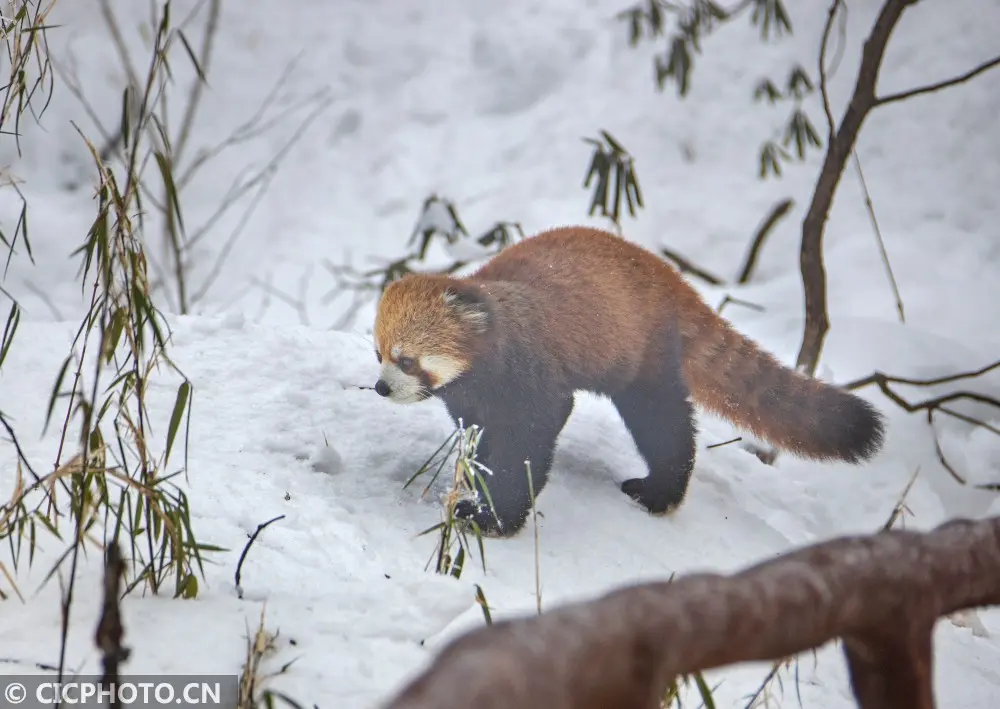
column 655, row 499
column 483, row 516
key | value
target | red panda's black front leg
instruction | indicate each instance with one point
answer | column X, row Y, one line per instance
column 507, row 442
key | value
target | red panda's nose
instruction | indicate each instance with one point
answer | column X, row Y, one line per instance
column 381, row 388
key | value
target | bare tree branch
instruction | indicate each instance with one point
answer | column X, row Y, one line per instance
column 839, row 149
column 823, row 89
column 947, row 83
column 198, row 87
column 686, row 266
column 763, row 231
column 882, row 594
column 261, row 181
column 937, row 404
column 109, row 633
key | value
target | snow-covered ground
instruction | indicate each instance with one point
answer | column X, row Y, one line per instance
column 486, row 103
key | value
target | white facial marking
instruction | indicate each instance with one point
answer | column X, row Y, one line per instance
column 443, row 369
column 403, row 388
column 474, row 314
column 476, row 317
column 395, row 351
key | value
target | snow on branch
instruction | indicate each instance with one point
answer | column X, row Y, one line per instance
column 881, row 594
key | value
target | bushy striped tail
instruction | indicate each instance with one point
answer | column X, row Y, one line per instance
column 732, row 377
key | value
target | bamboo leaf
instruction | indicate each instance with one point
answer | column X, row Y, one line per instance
column 180, row 403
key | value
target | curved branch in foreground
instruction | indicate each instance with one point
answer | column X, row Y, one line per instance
column 881, row 594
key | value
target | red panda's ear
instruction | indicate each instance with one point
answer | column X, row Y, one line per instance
column 469, row 304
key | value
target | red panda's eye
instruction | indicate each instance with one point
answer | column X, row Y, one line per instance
column 407, row 364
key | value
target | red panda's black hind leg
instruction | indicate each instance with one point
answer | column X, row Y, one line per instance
column 658, row 414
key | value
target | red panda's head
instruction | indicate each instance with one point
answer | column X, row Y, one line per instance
column 425, row 332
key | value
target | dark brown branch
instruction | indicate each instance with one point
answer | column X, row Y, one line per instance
column 839, row 148
column 777, row 212
column 824, row 92
column 685, row 266
column 947, row 83
column 108, row 636
column 935, row 404
column 947, row 379
column 881, row 594
column 724, row 443
column 736, row 301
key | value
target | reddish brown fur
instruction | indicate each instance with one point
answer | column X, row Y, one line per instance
column 599, row 304
column 576, row 309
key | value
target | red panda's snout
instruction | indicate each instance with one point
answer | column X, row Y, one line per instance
column 407, row 380
column 406, row 384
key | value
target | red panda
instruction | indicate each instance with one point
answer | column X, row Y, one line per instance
column 581, row 309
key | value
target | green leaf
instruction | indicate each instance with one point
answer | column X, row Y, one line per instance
column 180, row 403
column 619, row 191
column 655, row 15
column 799, row 84
column 126, row 123
column 634, row 191
column 481, row 600
column 801, row 131
column 13, row 320
column 192, row 57
column 188, row 587
column 769, row 160
column 766, row 90
column 173, row 202
column 679, row 64
column 616, row 147
column 706, row 694
column 54, row 394
column 113, row 333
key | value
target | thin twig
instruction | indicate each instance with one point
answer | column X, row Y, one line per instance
column 823, row 88
column 198, row 87
column 534, row 521
column 936, row 404
column 44, row 297
column 300, row 305
column 947, row 379
column 947, row 83
column 900, row 506
column 253, row 127
column 239, row 565
column 262, row 180
column 736, row 301
column 724, row 443
column 878, row 237
column 685, row 266
column 763, row 231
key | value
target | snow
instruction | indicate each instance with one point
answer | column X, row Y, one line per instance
column 485, row 104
